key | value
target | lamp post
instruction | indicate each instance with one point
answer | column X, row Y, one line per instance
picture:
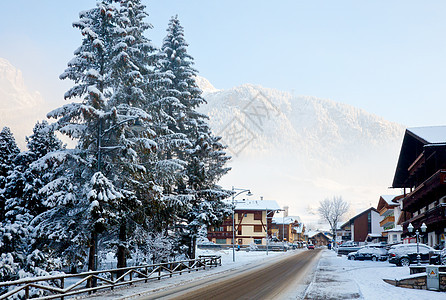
column 101, row 134
column 423, row 229
column 241, row 191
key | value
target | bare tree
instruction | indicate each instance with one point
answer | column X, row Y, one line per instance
column 331, row 210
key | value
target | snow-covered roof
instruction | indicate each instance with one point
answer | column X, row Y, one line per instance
column 389, row 199
column 312, row 233
column 374, row 235
column 431, row 134
column 255, row 204
column 299, row 228
column 286, row 220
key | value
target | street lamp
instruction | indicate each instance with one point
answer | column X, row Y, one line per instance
column 241, row 191
column 423, row 229
column 101, row 134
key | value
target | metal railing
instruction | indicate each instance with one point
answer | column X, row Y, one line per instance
column 53, row 287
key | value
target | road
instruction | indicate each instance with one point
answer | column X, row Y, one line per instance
column 270, row 281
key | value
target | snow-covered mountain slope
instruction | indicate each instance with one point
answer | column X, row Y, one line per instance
column 300, row 149
column 19, row 108
column 266, row 120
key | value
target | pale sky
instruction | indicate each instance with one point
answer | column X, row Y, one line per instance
column 386, row 57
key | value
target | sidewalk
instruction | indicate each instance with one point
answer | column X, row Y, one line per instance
column 336, row 277
column 328, row 283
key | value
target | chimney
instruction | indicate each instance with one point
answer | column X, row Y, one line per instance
column 285, row 211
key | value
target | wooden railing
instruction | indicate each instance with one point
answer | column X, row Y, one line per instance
column 53, row 287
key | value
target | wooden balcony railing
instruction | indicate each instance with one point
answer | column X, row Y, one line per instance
column 429, row 217
column 386, row 220
column 436, row 180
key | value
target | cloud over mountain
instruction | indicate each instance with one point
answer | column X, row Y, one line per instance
column 300, row 149
column 19, row 108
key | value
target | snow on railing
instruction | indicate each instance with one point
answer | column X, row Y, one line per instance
column 53, row 287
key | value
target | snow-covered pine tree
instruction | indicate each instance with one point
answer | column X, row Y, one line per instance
column 134, row 82
column 108, row 71
column 206, row 167
column 40, row 143
column 8, row 152
column 205, row 156
column 83, row 121
column 23, row 203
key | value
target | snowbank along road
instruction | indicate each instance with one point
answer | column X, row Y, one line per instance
column 274, row 280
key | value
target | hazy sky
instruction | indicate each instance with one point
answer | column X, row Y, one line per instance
column 387, row 57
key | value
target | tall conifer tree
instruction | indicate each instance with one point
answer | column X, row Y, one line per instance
column 205, row 157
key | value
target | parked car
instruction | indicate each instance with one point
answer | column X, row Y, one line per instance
column 349, row 244
column 406, row 254
column 371, row 253
column 310, row 246
column 437, row 257
column 347, row 249
column 352, row 255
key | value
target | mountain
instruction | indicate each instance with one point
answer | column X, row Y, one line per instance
column 19, row 108
column 299, row 150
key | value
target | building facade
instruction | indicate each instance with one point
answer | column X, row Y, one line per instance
column 389, row 207
column 318, row 238
column 252, row 219
column 421, row 173
column 288, row 228
column 362, row 225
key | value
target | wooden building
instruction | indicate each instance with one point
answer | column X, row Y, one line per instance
column 362, row 225
column 318, row 238
column 421, row 173
column 288, row 228
column 389, row 207
column 252, row 218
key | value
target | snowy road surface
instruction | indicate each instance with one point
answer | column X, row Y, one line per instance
column 275, row 280
column 245, row 262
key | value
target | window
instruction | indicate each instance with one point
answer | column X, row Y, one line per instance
column 369, row 222
column 258, row 215
column 258, row 228
column 219, row 229
column 394, row 237
column 258, row 241
column 424, row 249
column 220, row 241
column 240, row 241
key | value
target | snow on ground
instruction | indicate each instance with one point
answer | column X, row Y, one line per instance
column 243, row 259
column 336, row 277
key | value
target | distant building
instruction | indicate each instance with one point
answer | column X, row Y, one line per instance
column 292, row 226
column 389, row 207
column 252, row 218
column 318, row 238
column 362, row 225
column 421, row 173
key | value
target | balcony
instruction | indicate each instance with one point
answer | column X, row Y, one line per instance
column 431, row 217
column 219, row 234
column 386, row 211
column 418, row 198
column 387, row 221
